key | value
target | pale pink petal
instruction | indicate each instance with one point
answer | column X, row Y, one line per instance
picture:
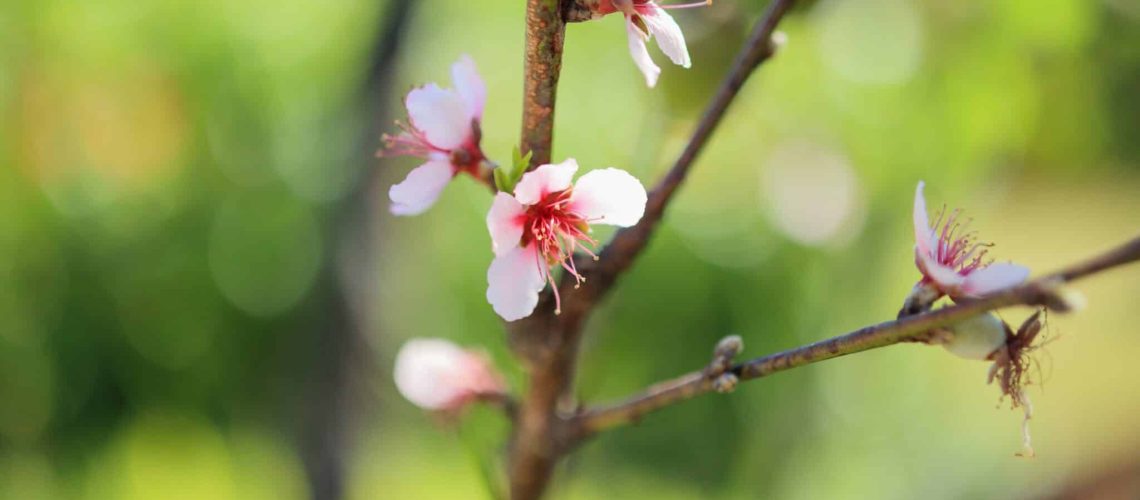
column 470, row 86
column 669, row 36
column 429, row 373
column 505, row 222
column 545, row 179
column 514, row 280
column 923, row 234
column 945, row 278
column 441, row 115
column 640, row 53
column 420, row 188
column 609, row 196
column 993, row 278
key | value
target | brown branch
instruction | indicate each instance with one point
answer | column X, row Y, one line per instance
column 533, row 451
column 1040, row 292
column 545, row 34
column 548, row 343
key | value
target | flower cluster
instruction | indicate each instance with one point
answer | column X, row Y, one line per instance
column 536, row 224
column 540, row 219
column 535, row 228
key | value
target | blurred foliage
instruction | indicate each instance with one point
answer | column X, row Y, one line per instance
column 171, row 171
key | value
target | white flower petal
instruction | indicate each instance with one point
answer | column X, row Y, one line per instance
column 429, row 373
column 609, row 196
column 640, row 53
column 441, row 115
column 514, row 280
column 669, row 36
column 505, row 223
column 945, row 278
column 469, row 85
column 993, row 278
column 545, row 179
column 923, row 234
column 420, row 188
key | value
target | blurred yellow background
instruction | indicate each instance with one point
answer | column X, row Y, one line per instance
column 201, row 290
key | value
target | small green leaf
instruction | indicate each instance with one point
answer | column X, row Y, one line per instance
column 506, row 180
column 521, row 164
column 502, row 180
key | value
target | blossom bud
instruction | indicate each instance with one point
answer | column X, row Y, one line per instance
column 725, row 383
column 436, row 374
column 977, row 337
column 725, row 351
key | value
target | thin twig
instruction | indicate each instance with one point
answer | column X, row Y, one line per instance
column 628, row 243
column 1040, row 292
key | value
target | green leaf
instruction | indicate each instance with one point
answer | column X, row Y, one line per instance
column 521, row 164
column 506, row 180
column 502, row 180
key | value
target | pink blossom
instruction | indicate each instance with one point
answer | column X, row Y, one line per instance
column 436, row 374
column 645, row 19
column 951, row 258
column 544, row 222
column 444, row 129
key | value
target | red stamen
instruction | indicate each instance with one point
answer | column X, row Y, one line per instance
column 558, row 233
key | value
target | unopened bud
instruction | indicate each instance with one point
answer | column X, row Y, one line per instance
column 729, row 346
column 436, row 374
column 920, row 299
column 977, row 337
column 725, row 383
column 779, row 39
column 725, row 351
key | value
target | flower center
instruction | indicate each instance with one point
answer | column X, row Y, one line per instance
column 558, row 233
column 958, row 247
column 468, row 157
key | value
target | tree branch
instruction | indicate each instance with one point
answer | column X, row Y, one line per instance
column 533, row 451
column 628, row 243
column 1040, row 292
column 548, row 343
column 545, row 34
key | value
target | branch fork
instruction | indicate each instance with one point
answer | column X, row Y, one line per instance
column 547, row 344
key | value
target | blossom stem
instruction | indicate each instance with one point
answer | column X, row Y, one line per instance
column 1040, row 292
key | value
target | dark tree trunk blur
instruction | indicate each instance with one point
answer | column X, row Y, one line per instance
column 328, row 403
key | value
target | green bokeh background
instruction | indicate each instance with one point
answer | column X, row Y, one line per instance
column 199, row 279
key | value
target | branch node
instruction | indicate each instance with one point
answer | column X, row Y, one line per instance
column 725, row 383
column 778, row 40
column 725, row 351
